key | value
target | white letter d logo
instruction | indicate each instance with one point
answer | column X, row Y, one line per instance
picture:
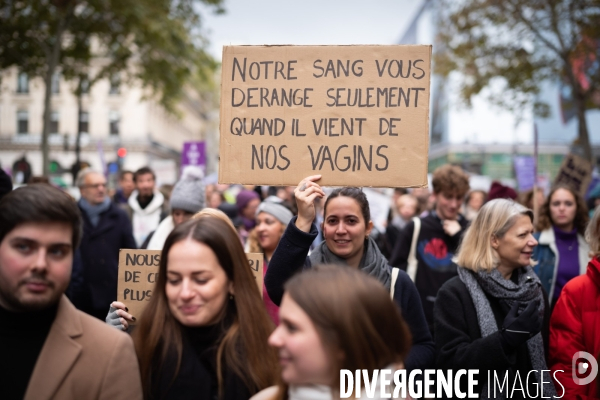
column 582, row 367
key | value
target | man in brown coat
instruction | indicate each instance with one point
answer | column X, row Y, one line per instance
column 49, row 349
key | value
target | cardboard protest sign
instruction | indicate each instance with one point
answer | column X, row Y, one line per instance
column 575, row 172
column 255, row 260
column 138, row 272
column 357, row 115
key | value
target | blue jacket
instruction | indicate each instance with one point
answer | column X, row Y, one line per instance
column 546, row 255
column 96, row 263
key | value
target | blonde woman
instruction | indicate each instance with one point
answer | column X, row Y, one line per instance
column 490, row 316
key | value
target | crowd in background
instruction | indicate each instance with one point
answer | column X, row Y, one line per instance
column 494, row 280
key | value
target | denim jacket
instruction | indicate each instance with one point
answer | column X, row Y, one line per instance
column 546, row 255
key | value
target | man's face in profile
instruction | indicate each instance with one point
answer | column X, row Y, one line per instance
column 35, row 265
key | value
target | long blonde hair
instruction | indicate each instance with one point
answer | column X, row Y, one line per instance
column 495, row 218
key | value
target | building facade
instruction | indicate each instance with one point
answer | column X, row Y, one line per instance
column 114, row 116
column 485, row 139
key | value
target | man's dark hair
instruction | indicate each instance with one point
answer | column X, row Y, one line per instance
column 122, row 174
column 143, row 171
column 39, row 203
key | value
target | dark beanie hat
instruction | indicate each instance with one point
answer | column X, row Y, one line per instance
column 244, row 197
column 499, row 191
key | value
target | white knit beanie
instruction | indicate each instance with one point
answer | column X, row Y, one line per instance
column 188, row 193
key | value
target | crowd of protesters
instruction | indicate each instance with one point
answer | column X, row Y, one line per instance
column 492, row 280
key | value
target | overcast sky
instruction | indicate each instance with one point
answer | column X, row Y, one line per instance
column 308, row 22
column 256, row 22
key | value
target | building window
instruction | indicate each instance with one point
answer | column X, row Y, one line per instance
column 22, row 122
column 56, row 83
column 84, row 118
column 22, row 83
column 85, row 86
column 115, row 82
column 54, row 117
column 114, row 121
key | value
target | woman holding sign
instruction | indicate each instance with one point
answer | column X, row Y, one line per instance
column 204, row 332
column 346, row 227
column 328, row 315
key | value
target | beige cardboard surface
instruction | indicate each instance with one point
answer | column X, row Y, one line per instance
column 138, row 271
column 357, row 115
column 255, row 260
column 575, row 172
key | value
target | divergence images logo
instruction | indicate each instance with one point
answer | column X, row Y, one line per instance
column 582, row 367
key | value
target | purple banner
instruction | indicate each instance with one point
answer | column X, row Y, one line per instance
column 525, row 172
column 194, row 153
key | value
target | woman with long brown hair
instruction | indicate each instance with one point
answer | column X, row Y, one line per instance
column 204, row 333
column 562, row 252
column 334, row 318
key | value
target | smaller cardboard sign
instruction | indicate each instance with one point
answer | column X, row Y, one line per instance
column 255, row 260
column 138, row 272
column 357, row 115
column 575, row 172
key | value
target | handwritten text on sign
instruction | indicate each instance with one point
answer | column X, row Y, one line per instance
column 358, row 115
column 138, row 273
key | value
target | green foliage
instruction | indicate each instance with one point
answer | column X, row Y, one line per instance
column 517, row 45
column 157, row 43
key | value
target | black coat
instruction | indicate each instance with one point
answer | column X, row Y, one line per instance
column 459, row 343
column 95, row 266
column 290, row 257
column 435, row 252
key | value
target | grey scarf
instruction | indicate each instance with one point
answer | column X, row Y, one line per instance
column 93, row 211
column 527, row 289
column 372, row 263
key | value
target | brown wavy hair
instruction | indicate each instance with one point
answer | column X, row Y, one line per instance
column 581, row 214
column 353, row 314
column 243, row 349
column 450, row 179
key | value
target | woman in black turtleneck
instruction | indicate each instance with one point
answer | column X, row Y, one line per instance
column 204, row 332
